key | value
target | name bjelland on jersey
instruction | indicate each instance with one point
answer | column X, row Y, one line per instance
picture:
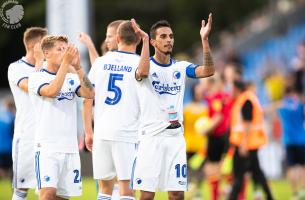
column 168, row 88
column 119, row 68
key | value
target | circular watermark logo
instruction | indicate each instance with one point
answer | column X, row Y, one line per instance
column 11, row 13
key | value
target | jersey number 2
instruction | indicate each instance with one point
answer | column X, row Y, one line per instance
column 77, row 177
column 115, row 89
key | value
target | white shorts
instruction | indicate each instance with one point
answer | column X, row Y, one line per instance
column 160, row 164
column 59, row 170
column 112, row 158
column 23, row 155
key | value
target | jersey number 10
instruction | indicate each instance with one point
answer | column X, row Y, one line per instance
column 181, row 170
column 114, row 88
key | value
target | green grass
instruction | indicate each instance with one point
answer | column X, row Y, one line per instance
column 280, row 190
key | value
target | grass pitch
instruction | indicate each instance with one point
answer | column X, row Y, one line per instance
column 280, row 189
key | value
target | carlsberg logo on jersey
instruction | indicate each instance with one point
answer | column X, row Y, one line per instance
column 65, row 95
column 68, row 95
column 167, row 88
column 162, row 88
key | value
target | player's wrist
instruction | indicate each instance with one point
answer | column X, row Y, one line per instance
column 77, row 68
column 145, row 37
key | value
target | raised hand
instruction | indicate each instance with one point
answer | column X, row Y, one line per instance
column 206, row 28
column 38, row 56
column 84, row 38
column 138, row 30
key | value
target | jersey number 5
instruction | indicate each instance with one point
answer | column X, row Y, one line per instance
column 115, row 89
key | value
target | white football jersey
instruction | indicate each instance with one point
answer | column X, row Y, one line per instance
column 56, row 128
column 24, row 122
column 116, row 108
column 161, row 95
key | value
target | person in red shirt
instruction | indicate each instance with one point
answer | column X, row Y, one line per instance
column 219, row 105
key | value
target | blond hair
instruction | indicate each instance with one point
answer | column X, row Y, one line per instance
column 49, row 41
column 115, row 24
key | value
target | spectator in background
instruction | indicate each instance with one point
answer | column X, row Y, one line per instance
column 274, row 82
column 291, row 113
column 247, row 135
column 298, row 64
column 195, row 142
column 219, row 104
column 192, row 111
column 231, row 73
column 7, row 117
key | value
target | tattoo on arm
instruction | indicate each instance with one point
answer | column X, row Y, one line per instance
column 87, row 83
column 208, row 64
column 208, row 60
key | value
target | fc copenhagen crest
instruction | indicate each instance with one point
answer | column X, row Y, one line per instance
column 11, row 13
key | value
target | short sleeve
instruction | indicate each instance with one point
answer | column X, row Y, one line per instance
column 190, row 69
column 15, row 75
column 36, row 82
column 74, row 82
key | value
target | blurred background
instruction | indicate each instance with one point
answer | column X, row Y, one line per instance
column 261, row 40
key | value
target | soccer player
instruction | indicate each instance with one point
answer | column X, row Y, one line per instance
column 116, row 110
column 24, row 131
column 53, row 92
column 109, row 44
column 161, row 157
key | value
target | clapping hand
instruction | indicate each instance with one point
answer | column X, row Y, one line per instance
column 138, row 30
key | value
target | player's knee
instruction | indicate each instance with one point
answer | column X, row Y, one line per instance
column 124, row 187
column 147, row 195
column 106, row 186
column 177, row 195
column 47, row 195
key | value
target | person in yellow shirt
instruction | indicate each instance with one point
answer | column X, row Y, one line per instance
column 194, row 113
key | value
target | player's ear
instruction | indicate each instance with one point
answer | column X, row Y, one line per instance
column 152, row 42
column 30, row 45
column 45, row 53
column 117, row 38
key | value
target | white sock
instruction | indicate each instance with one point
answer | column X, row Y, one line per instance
column 126, row 198
column 19, row 195
column 115, row 192
column 101, row 196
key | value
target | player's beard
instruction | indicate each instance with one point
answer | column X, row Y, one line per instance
column 164, row 52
